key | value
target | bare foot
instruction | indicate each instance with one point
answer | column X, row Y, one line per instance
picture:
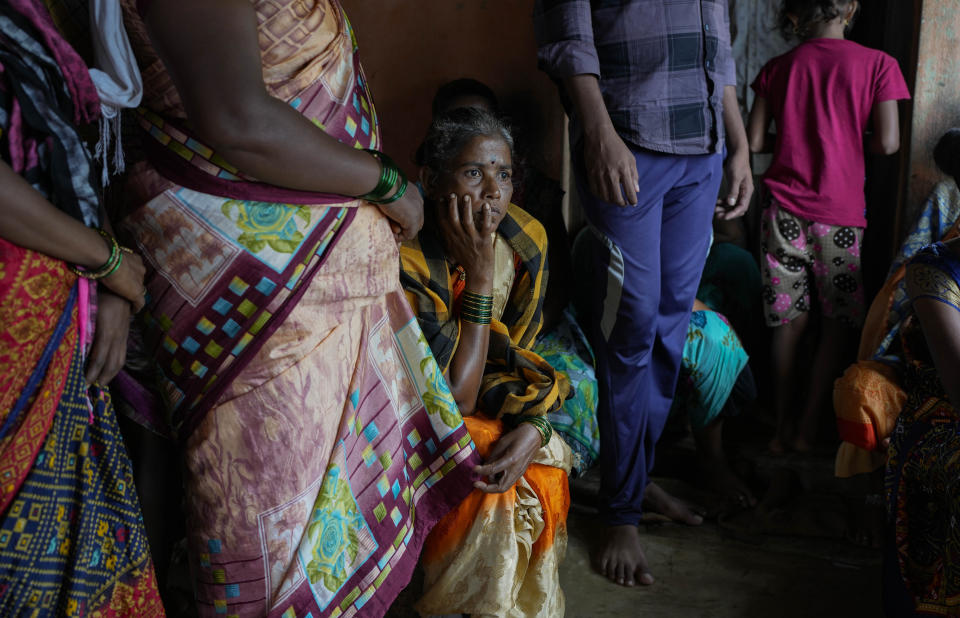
column 802, row 445
column 620, row 558
column 776, row 447
column 722, row 479
column 659, row 501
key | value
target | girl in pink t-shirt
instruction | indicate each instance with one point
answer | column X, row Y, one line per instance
column 823, row 95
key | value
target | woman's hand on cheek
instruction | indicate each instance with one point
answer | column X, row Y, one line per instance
column 509, row 459
column 109, row 351
column 468, row 236
column 406, row 215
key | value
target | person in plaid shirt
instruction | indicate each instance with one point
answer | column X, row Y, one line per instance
column 650, row 89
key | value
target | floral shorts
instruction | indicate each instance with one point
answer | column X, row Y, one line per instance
column 794, row 249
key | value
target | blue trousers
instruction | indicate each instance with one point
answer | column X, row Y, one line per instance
column 646, row 268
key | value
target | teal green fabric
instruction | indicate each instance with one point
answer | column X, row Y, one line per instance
column 713, row 357
column 565, row 347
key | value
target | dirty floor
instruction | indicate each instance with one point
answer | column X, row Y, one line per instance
column 790, row 557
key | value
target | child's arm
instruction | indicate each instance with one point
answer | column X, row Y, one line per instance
column 886, row 129
column 757, row 125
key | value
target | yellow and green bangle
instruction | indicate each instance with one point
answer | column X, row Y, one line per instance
column 476, row 308
column 542, row 425
column 110, row 266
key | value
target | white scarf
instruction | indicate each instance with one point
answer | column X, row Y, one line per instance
column 116, row 78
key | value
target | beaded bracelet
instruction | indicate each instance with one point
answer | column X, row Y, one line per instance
column 392, row 178
column 542, row 426
column 110, row 266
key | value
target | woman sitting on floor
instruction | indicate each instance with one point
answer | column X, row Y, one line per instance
column 561, row 342
column 475, row 277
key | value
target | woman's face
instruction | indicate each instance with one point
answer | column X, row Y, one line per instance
column 483, row 170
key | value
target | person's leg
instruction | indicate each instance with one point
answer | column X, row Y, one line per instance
column 684, row 243
column 840, row 290
column 625, row 285
column 833, row 354
column 716, row 471
column 625, row 333
column 783, row 354
column 786, row 241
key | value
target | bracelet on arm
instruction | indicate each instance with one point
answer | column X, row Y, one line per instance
column 476, row 308
column 110, row 266
column 542, row 425
column 392, row 179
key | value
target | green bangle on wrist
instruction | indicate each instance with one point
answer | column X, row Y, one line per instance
column 392, row 179
column 476, row 308
column 541, row 424
column 110, row 266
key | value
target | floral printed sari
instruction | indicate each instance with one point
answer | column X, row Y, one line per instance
column 321, row 445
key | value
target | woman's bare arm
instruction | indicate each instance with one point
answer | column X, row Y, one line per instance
column 211, row 49
column 472, row 248
column 758, row 126
column 941, row 329
column 885, row 139
column 30, row 221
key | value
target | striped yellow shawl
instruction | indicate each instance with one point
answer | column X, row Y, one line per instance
column 516, row 381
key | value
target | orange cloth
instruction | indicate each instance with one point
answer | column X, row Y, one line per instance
column 497, row 554
column 868, row 398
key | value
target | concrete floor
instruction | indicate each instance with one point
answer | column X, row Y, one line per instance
column 712, row 571
column 789, row 557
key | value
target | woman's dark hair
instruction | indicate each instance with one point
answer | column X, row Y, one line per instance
column 451, row 130
column 808, row 14
column 464, row 87
column 946, row 154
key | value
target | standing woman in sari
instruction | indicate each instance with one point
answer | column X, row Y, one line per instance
column 476, row 277
column 922, row 561
column 289, row 362
column 71, row 538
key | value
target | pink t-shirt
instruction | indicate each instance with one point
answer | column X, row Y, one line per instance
column 821, row 94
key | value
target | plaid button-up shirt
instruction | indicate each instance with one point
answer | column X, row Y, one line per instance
column 662, row 65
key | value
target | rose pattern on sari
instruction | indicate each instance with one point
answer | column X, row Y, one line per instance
column 265, row 224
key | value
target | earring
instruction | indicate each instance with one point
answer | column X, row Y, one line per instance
column 796, row 29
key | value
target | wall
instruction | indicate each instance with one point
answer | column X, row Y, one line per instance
column 409, row 48
column 936, row 102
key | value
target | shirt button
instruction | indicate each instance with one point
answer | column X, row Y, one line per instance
column 706, row 27
column 709, row 64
